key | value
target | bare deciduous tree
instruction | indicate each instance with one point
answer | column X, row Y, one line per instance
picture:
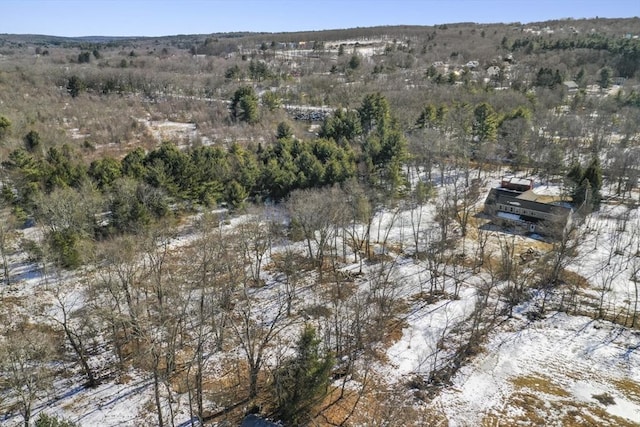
column 213, row 270
column 118, row 281
column 565, row 244
column 461, row 201
column 254, row 236
column 317, row 213
column 78, row 326
column 26, row 359
column 256, row 324
column 288, row 263
column 358, row 220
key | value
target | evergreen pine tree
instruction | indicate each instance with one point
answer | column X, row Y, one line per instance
column 593, row 174
column 302, row 381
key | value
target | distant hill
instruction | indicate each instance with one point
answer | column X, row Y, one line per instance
column 610, row 26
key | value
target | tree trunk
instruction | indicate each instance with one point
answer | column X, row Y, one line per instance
column 199, row 387
column 27, row 415
column 635, row 305
column 156, row 394
column 80, row 352
column 254, row 369
column 5, row 267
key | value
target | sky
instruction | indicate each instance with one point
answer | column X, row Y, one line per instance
column 74, row 18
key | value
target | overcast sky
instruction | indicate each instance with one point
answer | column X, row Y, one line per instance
column 170, row 17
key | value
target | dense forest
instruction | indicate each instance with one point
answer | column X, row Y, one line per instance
column 248, row 223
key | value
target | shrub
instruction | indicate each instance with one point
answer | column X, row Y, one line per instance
column 604, row 398
column 45, row 420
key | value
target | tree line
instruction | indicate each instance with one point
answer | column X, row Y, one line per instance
column 124, row 195
column 625, row 51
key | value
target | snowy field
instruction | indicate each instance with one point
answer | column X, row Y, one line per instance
column 550, row 371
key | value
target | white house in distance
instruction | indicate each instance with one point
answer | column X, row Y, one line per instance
column 571, row 86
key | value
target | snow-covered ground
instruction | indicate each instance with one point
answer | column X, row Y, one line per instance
column 609, row 257
column 549, row 370
column 555, row 370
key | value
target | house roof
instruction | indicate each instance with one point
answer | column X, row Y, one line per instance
column 525, row 200
column 529, row 195
column 517, row 181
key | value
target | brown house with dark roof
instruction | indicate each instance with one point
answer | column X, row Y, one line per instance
column 527, row 210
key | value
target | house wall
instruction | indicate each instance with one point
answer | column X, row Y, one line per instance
column 523, row 211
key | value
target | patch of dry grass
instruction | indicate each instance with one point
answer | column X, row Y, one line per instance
column 539, row 384
column 393, row 332
column 630, row 389
column 539, row 401
column 593, row 416
column 574, row 279
column 376, row 405
column 429, row 297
